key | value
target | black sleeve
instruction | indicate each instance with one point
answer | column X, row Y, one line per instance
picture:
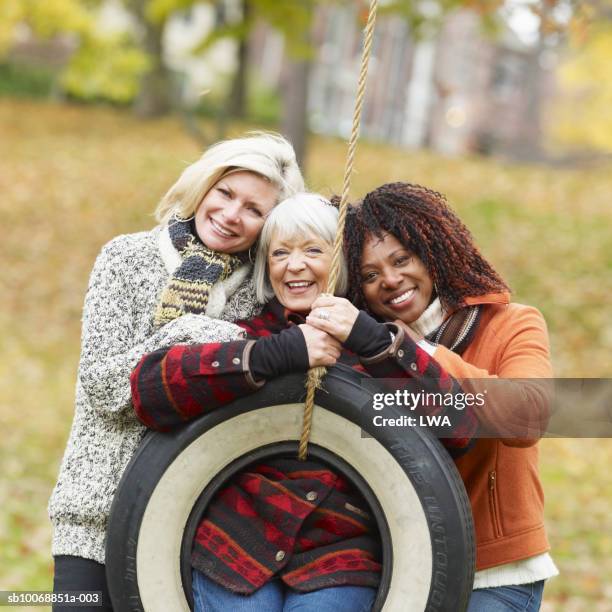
column 279, row 354
column 368, row 337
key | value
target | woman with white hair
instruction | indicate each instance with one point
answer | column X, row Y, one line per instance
column 299, row 521
column 283, row 534
column 184, row 281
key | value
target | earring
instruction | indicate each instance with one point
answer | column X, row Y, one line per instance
column 436, row 293
column 251, row 259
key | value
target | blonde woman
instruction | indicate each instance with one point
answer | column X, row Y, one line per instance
column 185, row 281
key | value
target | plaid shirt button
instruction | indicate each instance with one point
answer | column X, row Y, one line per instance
column 400, row 353
column 413, row 366
column 280, row 555
column 215, row 364
column 311, row 495
column 235, row 360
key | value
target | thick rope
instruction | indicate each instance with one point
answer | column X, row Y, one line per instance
column 315, row 375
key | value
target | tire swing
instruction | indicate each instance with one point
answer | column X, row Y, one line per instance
column 409, row 481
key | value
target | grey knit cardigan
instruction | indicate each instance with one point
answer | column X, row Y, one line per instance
column 124, row 289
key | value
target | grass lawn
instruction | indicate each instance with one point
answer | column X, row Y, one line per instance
column 73, row 177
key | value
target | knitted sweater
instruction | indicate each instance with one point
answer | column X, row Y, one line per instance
column 124, row 289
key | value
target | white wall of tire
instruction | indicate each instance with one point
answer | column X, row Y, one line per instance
column 159, row 542
column 408, row 477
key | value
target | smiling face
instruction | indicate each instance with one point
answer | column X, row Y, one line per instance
column 298, row 269
column 395, row 282
column 233, row 212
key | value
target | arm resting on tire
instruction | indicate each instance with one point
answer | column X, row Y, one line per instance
column 404, row 359
column 176, row 384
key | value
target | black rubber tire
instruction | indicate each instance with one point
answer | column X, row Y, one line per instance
column 408, row 478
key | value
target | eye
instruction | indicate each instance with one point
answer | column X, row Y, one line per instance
column 256, row 212
column 403, row 259
column 223, row 191
column 314, row 250
column 368, row 277
column 279, row 253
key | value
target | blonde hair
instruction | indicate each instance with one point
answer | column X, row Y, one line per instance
column 266, row 154
column 301, row 214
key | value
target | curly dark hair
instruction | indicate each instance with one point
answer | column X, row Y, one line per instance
column 422, row 220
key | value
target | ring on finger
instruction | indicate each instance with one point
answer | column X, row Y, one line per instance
column 323, row 314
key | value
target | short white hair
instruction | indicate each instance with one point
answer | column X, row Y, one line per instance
column 267, row 154
column 295, row 217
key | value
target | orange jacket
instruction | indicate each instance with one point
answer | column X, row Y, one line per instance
column 501, row 474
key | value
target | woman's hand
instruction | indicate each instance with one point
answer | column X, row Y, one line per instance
column 333, row 315
column 323, row 349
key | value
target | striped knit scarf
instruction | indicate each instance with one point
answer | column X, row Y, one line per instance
column 188, row 289
column 455, row 332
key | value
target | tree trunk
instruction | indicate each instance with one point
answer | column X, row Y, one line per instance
column 155, row 97
column 294, row 123
column 239, row 91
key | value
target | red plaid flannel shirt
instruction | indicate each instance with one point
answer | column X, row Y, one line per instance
column 176, row 384
column 296, row 520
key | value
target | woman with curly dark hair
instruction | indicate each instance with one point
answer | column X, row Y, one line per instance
column 412, row 261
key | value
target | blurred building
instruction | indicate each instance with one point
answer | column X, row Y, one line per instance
column 456, row 91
